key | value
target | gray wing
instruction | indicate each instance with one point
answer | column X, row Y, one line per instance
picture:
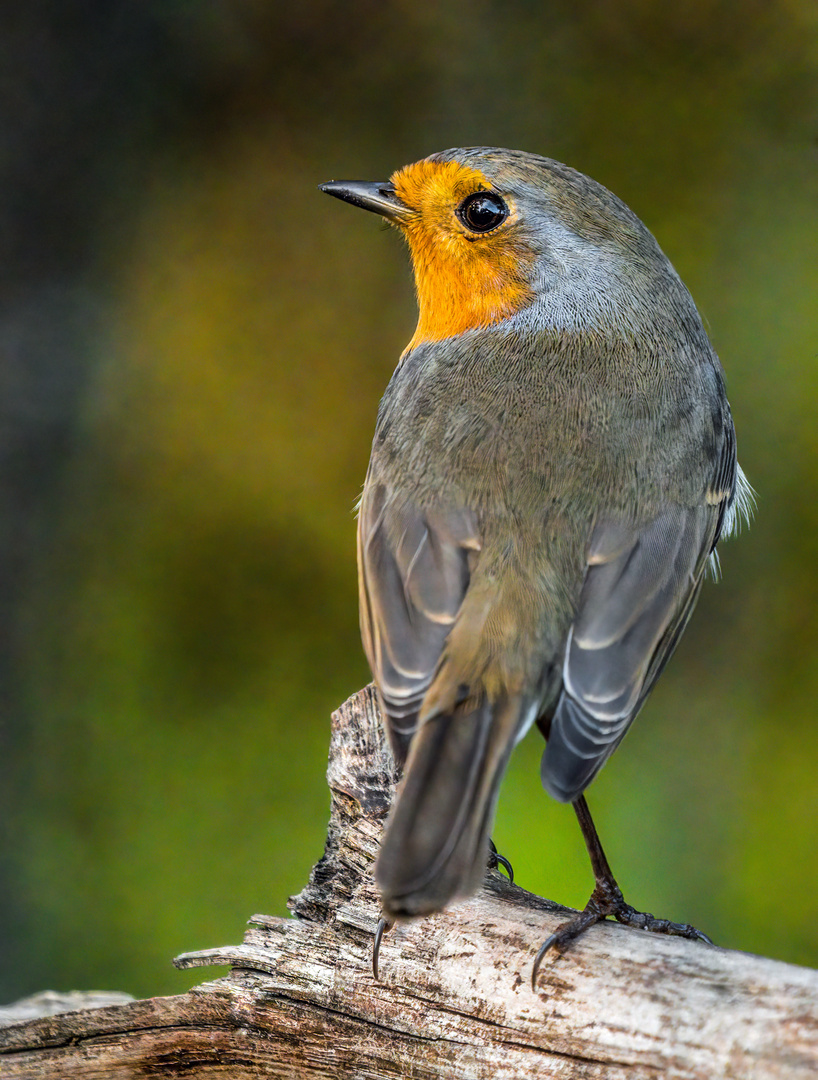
column 413, row 572
column 639, row 591
column 640, row 588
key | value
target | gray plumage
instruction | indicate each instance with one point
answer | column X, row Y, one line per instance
column 543, row 497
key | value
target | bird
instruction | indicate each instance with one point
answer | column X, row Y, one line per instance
column 554, row 461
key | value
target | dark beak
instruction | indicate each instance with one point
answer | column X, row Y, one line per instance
column 380, row 198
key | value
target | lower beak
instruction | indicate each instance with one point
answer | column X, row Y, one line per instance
column 380, row 198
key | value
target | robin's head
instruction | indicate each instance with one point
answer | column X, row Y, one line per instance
column 496, row 232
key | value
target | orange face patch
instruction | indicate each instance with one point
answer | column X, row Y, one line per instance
column 464, row 280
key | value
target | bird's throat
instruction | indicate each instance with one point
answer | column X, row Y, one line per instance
column 457, row 293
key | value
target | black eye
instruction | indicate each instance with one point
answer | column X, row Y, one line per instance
column 482, row 211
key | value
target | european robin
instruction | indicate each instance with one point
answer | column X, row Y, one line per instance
column 554, row 461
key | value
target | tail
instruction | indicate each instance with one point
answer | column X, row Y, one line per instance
column 435, row 848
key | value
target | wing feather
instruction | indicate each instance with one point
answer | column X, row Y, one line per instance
column 413, row 575
column 632, row 610
column 640, row 588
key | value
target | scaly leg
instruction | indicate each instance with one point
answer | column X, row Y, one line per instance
column 606, row 899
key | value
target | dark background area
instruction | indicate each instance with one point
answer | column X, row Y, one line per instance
column 193, row 342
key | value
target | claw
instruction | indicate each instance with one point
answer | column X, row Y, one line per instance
column 564, row 933
column 496, row 859
column 506, row 865
column 538, row 959
column 384, row 925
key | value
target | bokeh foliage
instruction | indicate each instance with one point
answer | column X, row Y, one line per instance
column 190, row 617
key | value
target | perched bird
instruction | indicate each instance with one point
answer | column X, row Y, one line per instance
column 554, row 461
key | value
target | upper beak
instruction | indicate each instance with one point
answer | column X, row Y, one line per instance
column 380, row 198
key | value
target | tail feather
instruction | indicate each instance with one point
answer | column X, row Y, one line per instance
column 435, row 847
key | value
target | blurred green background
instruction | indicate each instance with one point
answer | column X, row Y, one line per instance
column 193, row 342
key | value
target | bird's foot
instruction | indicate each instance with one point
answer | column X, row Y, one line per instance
column 496, row 859
column 607, row 900
column 643, row 920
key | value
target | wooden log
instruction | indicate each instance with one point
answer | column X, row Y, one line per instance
column 454, row 999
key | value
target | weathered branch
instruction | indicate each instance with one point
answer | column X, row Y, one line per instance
column 454, row 1000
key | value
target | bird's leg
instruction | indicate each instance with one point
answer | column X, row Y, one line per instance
column 606, row 899
column 496, row 859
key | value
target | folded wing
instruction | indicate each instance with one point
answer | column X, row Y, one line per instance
column 640, row 588
column 413, row 575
